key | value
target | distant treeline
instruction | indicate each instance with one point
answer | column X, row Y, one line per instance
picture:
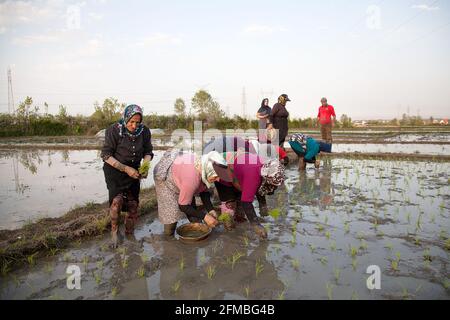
column 30, row 120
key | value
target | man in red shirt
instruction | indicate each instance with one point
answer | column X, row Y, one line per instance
column 326, row 111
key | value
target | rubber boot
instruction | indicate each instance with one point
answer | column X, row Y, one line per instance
column 131, row 217
column 114, row 213
column 239, row 214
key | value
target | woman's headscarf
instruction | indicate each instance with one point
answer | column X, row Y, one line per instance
column 301, row 139
column 128, row 113
column 207, row 165
column 272, row 174
column 264, row 100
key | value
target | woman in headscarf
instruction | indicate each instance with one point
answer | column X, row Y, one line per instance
column 279, row 118
column 263, row 116
column 126, row 144
column 179, row 177
column 307, row 148
column 252, row 177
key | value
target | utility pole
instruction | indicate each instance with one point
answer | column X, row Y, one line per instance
column 10, row 93
column 244, row 103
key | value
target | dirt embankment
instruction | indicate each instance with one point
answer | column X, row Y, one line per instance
column 49, row 235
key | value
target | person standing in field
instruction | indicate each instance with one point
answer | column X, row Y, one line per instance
column 263, row 116
column 326, row 111
column 279, row 118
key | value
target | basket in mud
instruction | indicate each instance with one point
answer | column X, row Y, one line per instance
column 193, row 232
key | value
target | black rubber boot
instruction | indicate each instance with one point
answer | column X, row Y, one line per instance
column 169, row 229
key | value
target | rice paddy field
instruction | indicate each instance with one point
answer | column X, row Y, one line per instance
column 325, row 228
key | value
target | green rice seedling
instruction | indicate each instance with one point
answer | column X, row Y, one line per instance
column 353, row 251
column 390, row 246
column 319, row 227
column 224, row 218
column 97, row 277
column 346, row 227
column 199, row 295
column 176, row 287
column 324, row 260
column 337, row 274
column 363, row 245
column 53, row 251
column 245, row 241
column 333, row 245
column 447, row 244
column 354, row 264
column 446, row 284
column 247, row 291
column 295, row 264
column 114, row 291
column 235, row 258
column 281, row 295
column 293, row 240
column 327, row 235
column 202, row 259
column 397, row 255
column 427, row 255
column 211, row 271
column 275, row 213
column 85, row 261
column 394, row 265
column 259, row 267
column 141, row 272
column 101, row 224
column 181, row 264
column 329, row 288
column 355, row 295
column 100, row 264
column 144, row 257
column 144, row 168
column 125, row 262
column 312, row 247
column 49, row 267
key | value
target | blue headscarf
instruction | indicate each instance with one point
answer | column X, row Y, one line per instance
column 128, row 113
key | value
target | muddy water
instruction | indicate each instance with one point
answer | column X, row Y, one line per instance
column 48, row 183
column 425, row 149
column 334, row 223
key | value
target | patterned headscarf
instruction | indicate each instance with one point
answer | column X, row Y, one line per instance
column 301, row 139
column 128, row 113
column 272, row 174
column 205, row 164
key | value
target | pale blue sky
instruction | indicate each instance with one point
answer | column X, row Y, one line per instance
column 372, row 59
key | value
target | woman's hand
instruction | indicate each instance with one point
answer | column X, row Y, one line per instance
column 132, row 172
column 210, row 221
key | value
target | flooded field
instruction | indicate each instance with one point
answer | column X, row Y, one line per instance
column 328, row 227
column 48, row 183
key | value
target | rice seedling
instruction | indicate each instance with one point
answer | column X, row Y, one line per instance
column 333, row 245
column 329, row 288
column 176, row 286
column 281, row 295
column 390, row 246
column 427, row 255
column 363, row 245
column 275, row 213
column 100, row 264
column 394, row 265
column 49, row 267
column 53, row 251
column 5, row 267
column 324, row 260
column 447, row 244
column 312, row 247
column 114, row 291
column 346, row 227
column 245, row 241
column 319, row 227
column 327, row 235
column 141, row 272
column 259, row 267
column 295, row 264
column 124, row 262
column 199, row 295
column 181, row 264
column 97, row 277
column 354, row 264
column 337, row 274
column 144, row 168
column 85, row 261
column 353, row 251
column 225, row 218
column 355, row 295
column 235, row 258
column 211, row 271
column 247, row 291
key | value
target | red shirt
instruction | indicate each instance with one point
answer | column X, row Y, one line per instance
column 325, row 114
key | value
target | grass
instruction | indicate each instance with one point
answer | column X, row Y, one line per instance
column 281, row 295
column 295, row 264
column 114, row 291
column 101, row 224
column 97, row 277
column 246, row 241
column 259, row 267
column 5, row 267
column 247, row 291
column 31, row 259
column 211, row 271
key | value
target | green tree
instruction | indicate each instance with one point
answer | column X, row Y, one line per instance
column 108, row 112
column 206, row 107
column 180, row 107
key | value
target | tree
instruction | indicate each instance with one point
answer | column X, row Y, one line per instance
column 346, row 121
column 206, row 107
column 62, row 114
column 108, row 112
column 180, row 107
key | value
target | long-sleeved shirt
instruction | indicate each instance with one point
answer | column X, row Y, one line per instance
column 126, row 149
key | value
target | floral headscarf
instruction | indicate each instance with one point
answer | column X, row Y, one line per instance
column 301, row 139
column 128, row 113
column 206, row 165
column 272, row 174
